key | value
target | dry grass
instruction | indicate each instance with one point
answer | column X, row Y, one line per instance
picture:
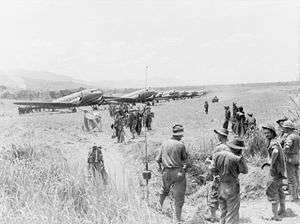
column 39, row 184
column 40, row 187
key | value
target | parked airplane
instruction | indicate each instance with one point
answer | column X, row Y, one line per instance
column 139, row 96
column 88, row 97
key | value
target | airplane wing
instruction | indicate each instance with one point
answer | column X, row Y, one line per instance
column 47, row 105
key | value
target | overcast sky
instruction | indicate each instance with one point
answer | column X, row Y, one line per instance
column 184, row 42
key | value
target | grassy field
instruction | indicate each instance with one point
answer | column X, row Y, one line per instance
column 43, row 160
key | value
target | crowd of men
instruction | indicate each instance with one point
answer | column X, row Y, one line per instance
column 226, row 163
column 133, row 118
column 240, row 122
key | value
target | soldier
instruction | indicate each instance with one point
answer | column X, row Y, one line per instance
column 291, row 150
column 206, row 107
column 282, row 135
column 274, row 190
column 240, row 122
column 121, row 132
column 234, row 112
column 213, row 197
column 149, row 116
column 228, row 165
column 172, row 164
column 227, row 117
column 132, row 123
column 139, row 122
column 96, row 164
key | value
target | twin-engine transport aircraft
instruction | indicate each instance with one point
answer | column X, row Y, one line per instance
column 140, row 96
column 88, row 97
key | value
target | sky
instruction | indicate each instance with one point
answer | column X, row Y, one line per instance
column 186, row 42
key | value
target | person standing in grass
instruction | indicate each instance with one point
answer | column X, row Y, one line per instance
column 171, row 161
column 274, row 190
column 96, row 164
column 206, row 106
column 291, row 150
column 228, row 164
column 213, row 196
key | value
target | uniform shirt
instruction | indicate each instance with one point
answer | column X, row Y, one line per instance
column 277, row 158
column 292, row 147
column 227, row 114
column 228, row 166
column 172, row 154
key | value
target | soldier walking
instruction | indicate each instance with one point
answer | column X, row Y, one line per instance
column 96, row 164
column 213, row 196
column 172, row 164
column 274, row 190
column 139, row 123
column 227, row 117
column 133, row 123
column 206, row 107
column 291, row 150
column 149, row 117
column 228, row 165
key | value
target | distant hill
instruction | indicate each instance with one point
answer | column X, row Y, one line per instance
column 39, row 80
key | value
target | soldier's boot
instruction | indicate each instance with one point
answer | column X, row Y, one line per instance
column 276, row 216
column 282, row 209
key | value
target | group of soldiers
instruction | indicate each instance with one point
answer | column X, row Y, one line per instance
column 133, row 118
column 241, row 123
column 224, row 166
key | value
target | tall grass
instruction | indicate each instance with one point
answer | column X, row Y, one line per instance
column 38, row 186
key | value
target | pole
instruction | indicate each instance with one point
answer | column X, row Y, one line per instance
column 146, row 77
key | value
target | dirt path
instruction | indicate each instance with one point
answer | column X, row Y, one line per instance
column 257, row 211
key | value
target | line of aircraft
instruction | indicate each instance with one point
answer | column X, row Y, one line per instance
column 95, row 97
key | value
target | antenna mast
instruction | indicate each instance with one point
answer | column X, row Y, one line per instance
column 146, row 77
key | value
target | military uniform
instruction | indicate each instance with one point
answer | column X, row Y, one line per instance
column 96, row 164
column 291, row 150
column 206, row 107
column 172, row 156
column 227, row 118
column 228, row 166
column 240, row 124
column 132, row 123
column 213, row 196
column 149, row 117
column 274, row 190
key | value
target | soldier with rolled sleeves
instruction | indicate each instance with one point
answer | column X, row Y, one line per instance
column 172, row 164
column 291, row 150
column 277, row 165
column 228, row 165
column 213, row 196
